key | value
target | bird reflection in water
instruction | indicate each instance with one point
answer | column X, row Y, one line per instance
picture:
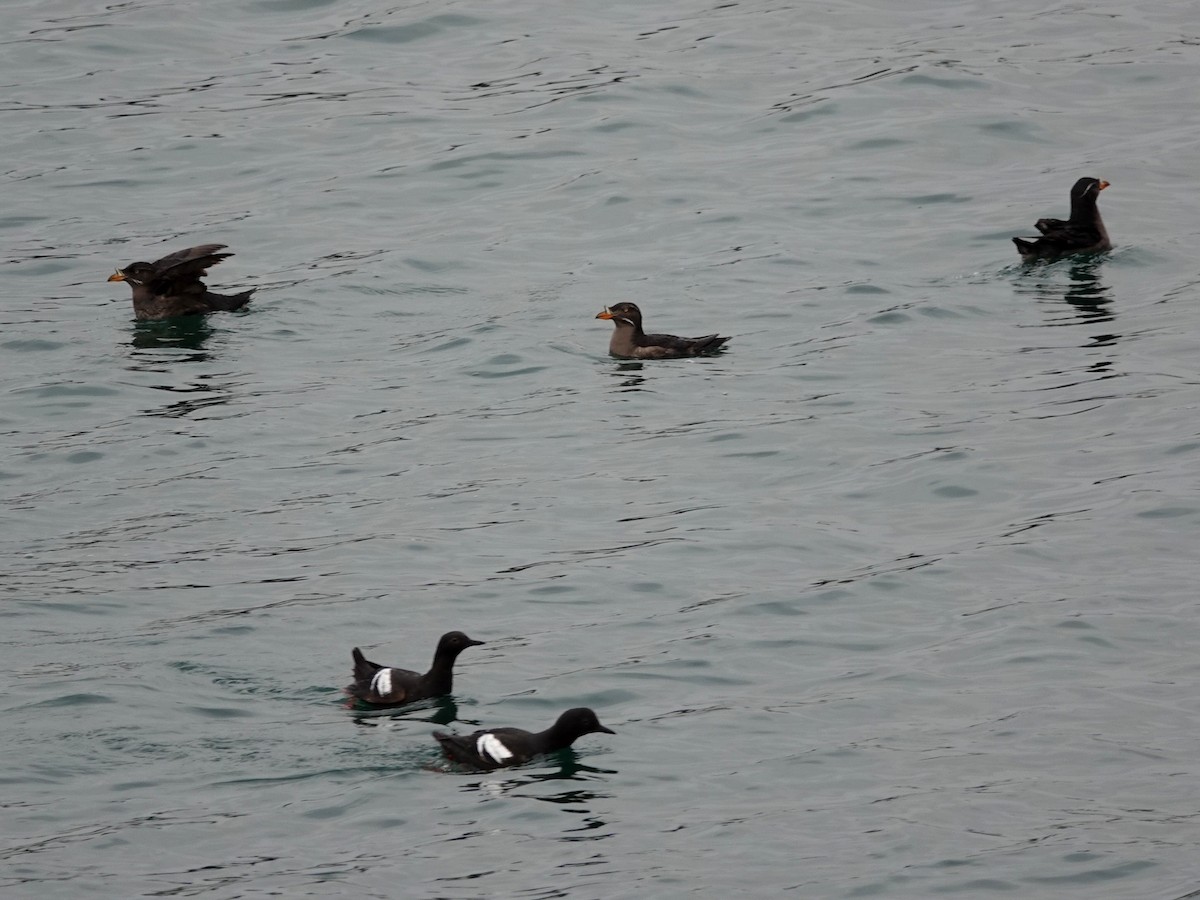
column 203, row 393
column 441, row 711
column 162, row 347
column 569, row 769
column 1088, row 294
column 1088, row 298
column 629, row 376
column 182, row 333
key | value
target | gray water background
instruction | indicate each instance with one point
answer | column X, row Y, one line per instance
column 897, row 598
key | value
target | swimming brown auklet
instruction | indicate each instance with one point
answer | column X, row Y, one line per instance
column 171, row 286
column 496, row 747
column 1084, row 232
column 389, row 686
column 630, row 342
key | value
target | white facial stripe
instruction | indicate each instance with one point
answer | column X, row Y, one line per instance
column 381, row 684
column 489, row 747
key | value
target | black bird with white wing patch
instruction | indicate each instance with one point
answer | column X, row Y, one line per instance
column 494, row 748
column 386, row 686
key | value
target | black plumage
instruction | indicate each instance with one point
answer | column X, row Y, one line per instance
column 171, row 286
column 1084, row 232
column 629, row 341
column 494, row 748
column 389, row 686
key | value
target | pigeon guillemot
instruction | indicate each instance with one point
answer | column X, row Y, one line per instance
column 171, row 286
column 1084, row 232
column 630, row 342
column 389, row 686
column 497, row 747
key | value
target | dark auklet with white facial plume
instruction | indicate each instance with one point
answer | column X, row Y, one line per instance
column 1084, row 232
column 629, row 341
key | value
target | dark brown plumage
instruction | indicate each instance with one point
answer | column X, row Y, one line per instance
column 171, row 286
column 496, row 747
column 629, row 341
column 389, row 686
column 1084, row 232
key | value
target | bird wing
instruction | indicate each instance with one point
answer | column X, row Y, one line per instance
column 460, row 748
column 1045, row 226
column 1067, row 238
column 189, row 263
column 671, row 341
column 380, row 685
column 665, row 346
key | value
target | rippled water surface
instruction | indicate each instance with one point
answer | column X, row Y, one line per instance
column 896, row 598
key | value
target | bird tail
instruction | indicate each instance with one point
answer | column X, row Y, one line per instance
column 364, row 669
column 451, row 748
column 1024, row 247
column 712, row 343
column 229, row 302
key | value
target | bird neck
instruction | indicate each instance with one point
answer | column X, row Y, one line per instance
column 1083, row 209
column 559, row 735
column 441, row 673
column 626, row 337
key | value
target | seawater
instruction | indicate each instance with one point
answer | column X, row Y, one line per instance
column 896, row 598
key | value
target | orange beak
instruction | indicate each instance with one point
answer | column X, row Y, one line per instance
column 1103, row 184
column 604, row 314
column 117, row 276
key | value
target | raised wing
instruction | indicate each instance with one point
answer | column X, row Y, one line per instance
column 190, row 262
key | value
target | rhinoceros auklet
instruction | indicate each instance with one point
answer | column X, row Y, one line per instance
column 496, row 747
column 1084, row 232
column 171, row 286
column 630, row 342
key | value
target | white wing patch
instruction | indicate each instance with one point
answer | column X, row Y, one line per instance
column 489, row 747
column 381, row 684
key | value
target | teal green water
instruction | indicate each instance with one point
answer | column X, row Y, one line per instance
column 894, row 599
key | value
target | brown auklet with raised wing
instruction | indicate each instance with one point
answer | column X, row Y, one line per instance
column 629, row 341
column 1084, row 232
column 171, row 286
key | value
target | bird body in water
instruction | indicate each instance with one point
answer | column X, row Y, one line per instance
column 1083, row 232
column 493, row 748
column 629, row 341
column 171, row 286
column 392, row 686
